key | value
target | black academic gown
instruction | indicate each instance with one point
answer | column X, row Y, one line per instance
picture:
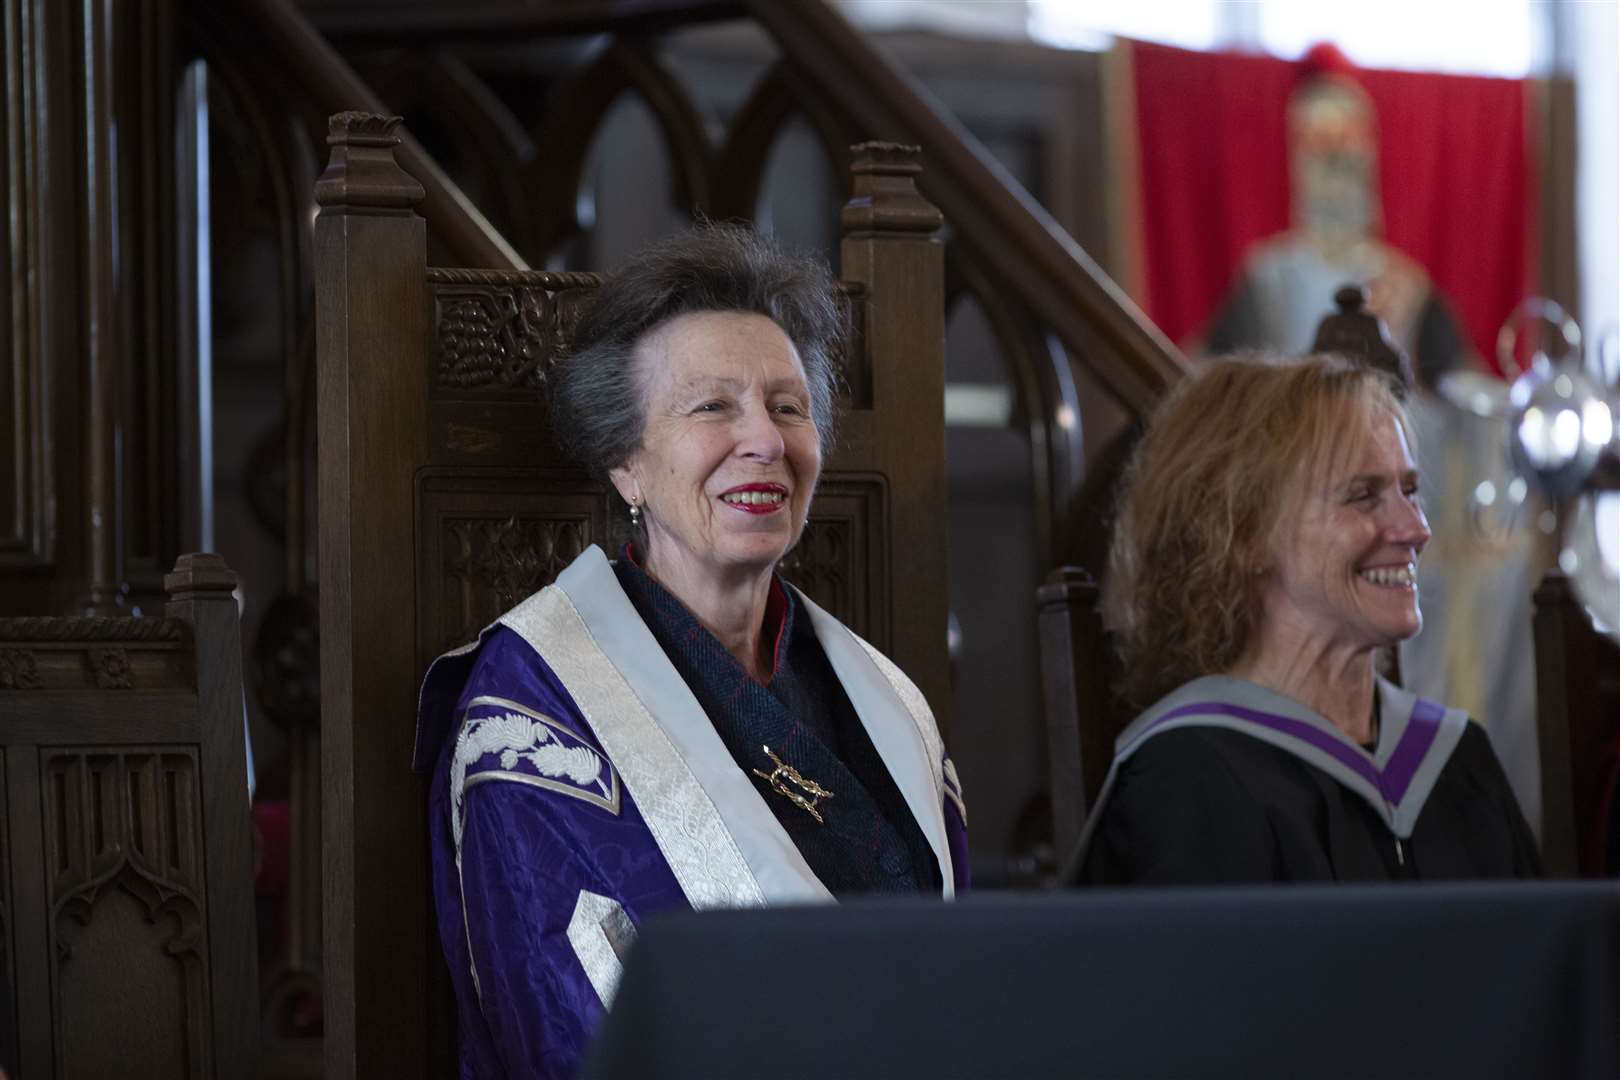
column 1225, row 782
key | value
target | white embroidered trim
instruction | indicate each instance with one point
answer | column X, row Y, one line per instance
column 953, row 789
column 601, row 933
column 522, row 733
column 916, row 705
column 684, row 822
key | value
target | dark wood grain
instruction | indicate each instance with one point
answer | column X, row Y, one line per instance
column 498, row 21
column 371, row 310
column 200, row 592
column 1083, row 715
column 1577, row 727
column 278, row 35
column 127, row 848
column 892, row 249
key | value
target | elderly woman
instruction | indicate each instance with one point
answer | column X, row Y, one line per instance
column 1264, row 555
column 679, row 727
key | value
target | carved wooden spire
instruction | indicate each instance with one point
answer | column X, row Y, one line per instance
column 891, row 250
column 886, row 198
column 362, row 170
column 1357, row 333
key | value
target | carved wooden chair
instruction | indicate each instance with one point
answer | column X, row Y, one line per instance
column 444, row 500
column 1578, row 731
column 1079, row 674
column 126, row 881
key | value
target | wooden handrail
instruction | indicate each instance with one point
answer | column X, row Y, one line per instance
column 281, row 30
column 1018, row 240
column 982, row 201
column 500, row 21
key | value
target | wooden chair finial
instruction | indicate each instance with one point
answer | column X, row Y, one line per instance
column 199, row 572
column 1355, row 332
column 885, row 197
column 362, row 171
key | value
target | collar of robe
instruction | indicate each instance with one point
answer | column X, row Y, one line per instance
column 1415, row 740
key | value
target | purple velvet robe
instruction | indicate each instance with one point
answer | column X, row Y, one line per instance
column 575, row 792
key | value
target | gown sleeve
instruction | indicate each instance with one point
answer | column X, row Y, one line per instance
column 544, row 868
column 520, row 879
column 1475, row 755
column 1179, row 815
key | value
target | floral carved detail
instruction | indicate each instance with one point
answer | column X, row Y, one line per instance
column 18, row 670
column 820, row 565
column 496, row 562
column 501, row 336
column 111, row 669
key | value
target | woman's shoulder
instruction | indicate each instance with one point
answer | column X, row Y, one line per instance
column 1205, row 752
column 1475, row 758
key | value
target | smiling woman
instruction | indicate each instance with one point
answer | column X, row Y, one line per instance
column 1264, row 554
column 680, row 727
column 726, row 468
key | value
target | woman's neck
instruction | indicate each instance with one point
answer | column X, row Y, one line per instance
column 733, row 611
column 1335, row 682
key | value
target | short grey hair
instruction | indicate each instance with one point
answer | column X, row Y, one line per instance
column 597, row 409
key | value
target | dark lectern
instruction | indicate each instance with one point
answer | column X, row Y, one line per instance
column 1506, row 980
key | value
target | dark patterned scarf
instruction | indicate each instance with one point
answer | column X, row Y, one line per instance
column 868, row 840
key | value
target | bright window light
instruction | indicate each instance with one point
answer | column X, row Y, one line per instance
column 1479, row 37
column 1088, row 24
column 1482, row 37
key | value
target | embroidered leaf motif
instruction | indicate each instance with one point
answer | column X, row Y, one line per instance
column 579, row 763
column 517, row 737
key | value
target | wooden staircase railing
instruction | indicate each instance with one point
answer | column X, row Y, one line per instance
column 276, row 35
column 1051, row 309
column 1021, row 243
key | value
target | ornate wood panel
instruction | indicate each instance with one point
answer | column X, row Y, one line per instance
column 126, row 904
column 842, row 560
column 496, row 333
column 490, row 537
column 111, row 654
column 123, row 845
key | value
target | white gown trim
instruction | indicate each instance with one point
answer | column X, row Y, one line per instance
column 914, row 752
column 608, row 661
column 601, row 933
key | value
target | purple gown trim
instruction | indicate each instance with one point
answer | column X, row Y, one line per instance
column 1391, row 782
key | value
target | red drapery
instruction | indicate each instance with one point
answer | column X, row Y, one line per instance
column 1456, row 172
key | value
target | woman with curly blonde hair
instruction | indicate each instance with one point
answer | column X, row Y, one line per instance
column 1265, row 552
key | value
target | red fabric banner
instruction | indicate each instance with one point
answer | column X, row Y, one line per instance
column 1456, row 174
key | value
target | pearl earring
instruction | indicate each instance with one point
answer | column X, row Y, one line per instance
column 635, row 515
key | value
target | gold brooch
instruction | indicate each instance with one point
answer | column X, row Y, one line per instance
column 809, row 792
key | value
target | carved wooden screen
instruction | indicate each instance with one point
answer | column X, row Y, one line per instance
column 444, row 500
column 126, row 904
